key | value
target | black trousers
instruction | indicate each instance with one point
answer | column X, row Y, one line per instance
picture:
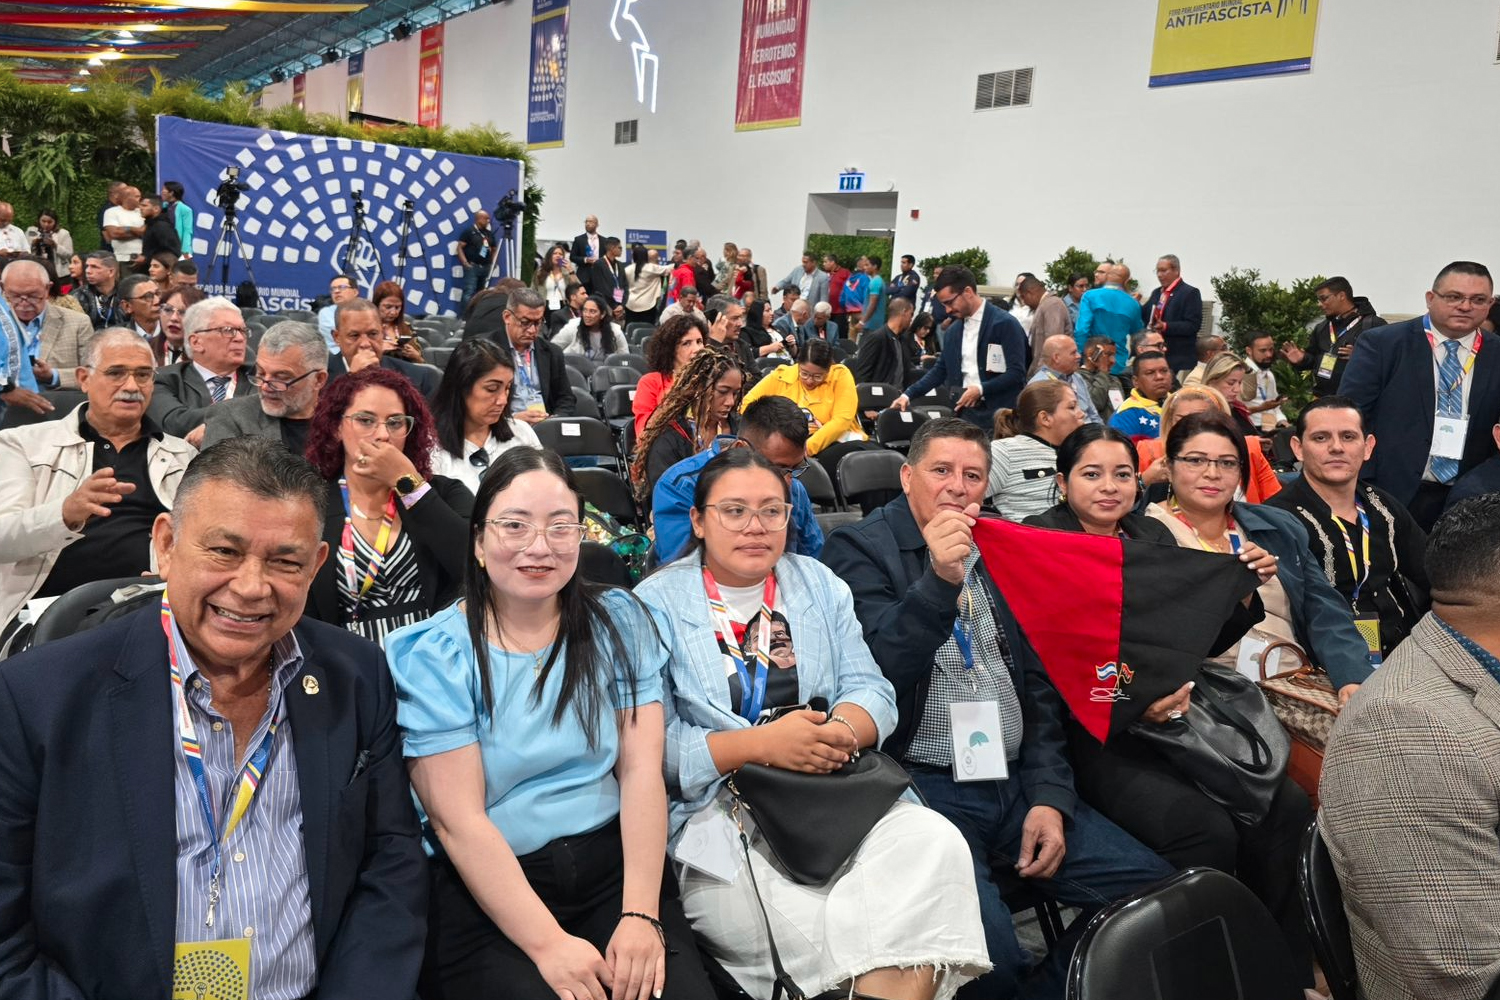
column 580, row 879
column 1149, row 798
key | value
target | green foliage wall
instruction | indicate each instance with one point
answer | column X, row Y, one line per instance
column 1075, row 261
column 848, row 249
column 1248, row 305
column 973, row 258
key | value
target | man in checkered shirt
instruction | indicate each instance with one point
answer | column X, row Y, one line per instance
column 943, row 635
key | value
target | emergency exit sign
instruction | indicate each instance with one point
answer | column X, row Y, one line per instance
column 852, row 182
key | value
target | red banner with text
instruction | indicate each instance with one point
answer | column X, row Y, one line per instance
column 430, row 78
column 773, row 39
column 299, row 91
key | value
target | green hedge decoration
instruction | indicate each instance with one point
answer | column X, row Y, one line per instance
column 973, row 258
column 1075, row 261
column 848, row 249
column 1249, row 305
column 68, row 146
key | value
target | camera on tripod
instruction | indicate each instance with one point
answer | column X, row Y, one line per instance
column 228, row 194
column 508, row 211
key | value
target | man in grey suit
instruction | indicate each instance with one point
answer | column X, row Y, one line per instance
column 54, row 338
column 214, row 337
column 291, row 369
column 809, row 279
column 1411, row 784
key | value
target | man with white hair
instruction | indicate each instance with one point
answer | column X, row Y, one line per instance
column 78, row 495
column 291, row 368
column 27, row 368
column 12, row 239
column 821, row 326
column 788, row 331
column 214, row 338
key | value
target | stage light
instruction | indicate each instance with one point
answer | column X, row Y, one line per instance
column 401, row 32
column 277, row 76
column 331, row 56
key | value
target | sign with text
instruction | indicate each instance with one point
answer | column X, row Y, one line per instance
column 547, row 95
column 651, row 239
column 773, row 42
column 430, row 78
column 1225, row 39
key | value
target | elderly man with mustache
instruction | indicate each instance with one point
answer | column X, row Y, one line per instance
column 78, row 495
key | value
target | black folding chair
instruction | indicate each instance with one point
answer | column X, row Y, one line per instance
column 580, row 363
column 617, row 407
column 819, row 487
column 585, row 403
column 607, row 491
column 576, row 378
column 894, row 428
column 602, row 565
column 606, row 376
column 938, row 395
column 628, row 359
column 578, row 437
column 875, row 395
column 1323, row 909
column 63, row 401
column 870, row 478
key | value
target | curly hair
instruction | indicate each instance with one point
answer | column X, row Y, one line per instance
column 324, row 449
column 661, row 349
column 692, row 392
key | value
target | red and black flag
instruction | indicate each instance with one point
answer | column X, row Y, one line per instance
column 1117, row 623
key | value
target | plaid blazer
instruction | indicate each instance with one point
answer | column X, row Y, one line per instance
column 1410, row 807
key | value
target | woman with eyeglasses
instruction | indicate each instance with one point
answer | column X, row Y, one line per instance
column 396, row 533
column 668, row 349
column 471, row 411
column 767, row 665
column 1023, row 454
column 593, row 334
column 825, row 393
column 166, row 344
column 1258, row 487
column 532, row 721
column 701, row 405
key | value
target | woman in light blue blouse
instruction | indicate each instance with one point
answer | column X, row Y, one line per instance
column 762, row 643
column 532, row 720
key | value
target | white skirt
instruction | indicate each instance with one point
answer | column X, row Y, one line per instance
column 905, row 899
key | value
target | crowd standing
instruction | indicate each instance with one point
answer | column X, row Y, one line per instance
column 420, row 750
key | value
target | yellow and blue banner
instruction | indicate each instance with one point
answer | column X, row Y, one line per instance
column 547, row 93
column 1226, row 39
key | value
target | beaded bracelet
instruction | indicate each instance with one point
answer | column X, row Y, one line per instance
column 852, row 732
column 661, row 931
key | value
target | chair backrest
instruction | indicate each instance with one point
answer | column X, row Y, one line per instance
column 576, row 436
column 894, row 428
column 870, row 478
column 63, row 401
column 819, row 487
column 629, row 360
column 938, row 395
column 1323, row 906
column 609, row 375
column 438, row 356
column 638, row 334
column 301, row 315
column 581, row 363
column 602, row 565
column 618, row 400
column 932, row 412
column 875, row 395
column 587, row 405
column 608, row 492
column 64, row 615
column 576, row 378
column 1194, row 935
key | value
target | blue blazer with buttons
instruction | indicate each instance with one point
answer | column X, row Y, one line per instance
column 1001, row 388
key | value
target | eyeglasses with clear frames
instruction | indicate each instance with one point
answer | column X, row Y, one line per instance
column 1458, row 299
column 282, row 384
column 1198, row 463
column 227, row 331
column 736, row 516
column 398, row 425
column 515, row 535
column 17, row 298
column 118, row 376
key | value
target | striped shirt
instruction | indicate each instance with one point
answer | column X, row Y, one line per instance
column 263, row 884
column 395, row 597
column 1023, row 476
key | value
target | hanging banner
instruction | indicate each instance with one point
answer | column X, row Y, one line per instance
column 651, row 239
column 299, row 91
column 296, row 209
column 773, row 43
column 356, row 86
column 430, row 78
column 547, row 96
column 1225, row 39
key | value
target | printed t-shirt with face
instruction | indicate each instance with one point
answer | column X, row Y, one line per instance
column 744, row 615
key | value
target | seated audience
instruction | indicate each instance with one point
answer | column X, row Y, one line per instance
column 396, row 336
column 1409, row 793
column 574, row 295
column 1023, row 454
column 541, row 389
column 1205, row 458
column 1258, row 487
column 593, row 334
column 78, row 494
column 533, row 727
column 900, row 919
column 943, row 634
column 98, row 295
column 140, row 304
column 51, row 339
column 397, row 532
column 687, row 302
column 820, row 326
column 1225, row 374
column 1058, row 362
column 472, row 413
column 167, row 342
column 772, row 426
column 1208, row 348
column 699, row 408
column 290, row 372
column 726, row 326
column 159, row 270
column 672, row 345
column 212, row 372
column 884, row 354
column 1366, row 543
column 185, row 274
column 824, row 391
column 1105, row 390
column 340, row 290
column 318, row 887
column 787, row 329
column 1151, row 379
column 357, row 333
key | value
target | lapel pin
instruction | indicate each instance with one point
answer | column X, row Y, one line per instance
column 310, row 685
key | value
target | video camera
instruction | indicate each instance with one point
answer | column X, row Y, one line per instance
column 509, row 210
column 228, row 194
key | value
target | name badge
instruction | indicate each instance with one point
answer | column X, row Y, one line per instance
column 1116, row 398
column 1369, row 627
column 211, row 969
column 619, row 295
column 978, row 741
column 994, row 359
column 1325, row 366
column 1448, row 434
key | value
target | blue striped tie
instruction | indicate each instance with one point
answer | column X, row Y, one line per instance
column 1450, row 404
column 218, row 387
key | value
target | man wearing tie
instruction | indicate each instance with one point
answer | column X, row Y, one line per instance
column 215, row 336
column 1430, row 392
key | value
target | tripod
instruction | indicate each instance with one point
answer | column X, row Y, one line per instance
column 507, row 211
column 359, row 233
column 401, row 248
column 229, row 230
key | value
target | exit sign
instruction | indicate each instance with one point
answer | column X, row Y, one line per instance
column 852, row 182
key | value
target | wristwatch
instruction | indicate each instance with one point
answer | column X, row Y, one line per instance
column 409, row 484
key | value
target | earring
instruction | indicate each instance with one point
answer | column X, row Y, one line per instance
column 481, row 561
column 1062, row 495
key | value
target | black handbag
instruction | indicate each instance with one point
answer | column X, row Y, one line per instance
column 1229, row 743
column 814, row 822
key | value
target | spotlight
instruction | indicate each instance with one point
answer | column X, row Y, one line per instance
column 401, row 32
column 277, row 76
column 331, row 56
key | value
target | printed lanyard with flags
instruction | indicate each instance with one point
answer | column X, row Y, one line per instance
column 1364, row 534
column 250, row 777
column 1468, row 365
column 754, row 688
column 346, row 546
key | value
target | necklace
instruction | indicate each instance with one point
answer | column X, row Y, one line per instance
column 536, row 654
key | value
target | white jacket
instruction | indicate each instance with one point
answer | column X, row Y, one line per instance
column 40, row 466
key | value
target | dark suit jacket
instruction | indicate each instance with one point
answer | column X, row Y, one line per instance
column 439, row 528
column 87, row 818
column 181, row 400
column 881, row 358
column 580, row 252
column 424, row 377
column 1391, row 377
column 596, row 278
column 1184, row 318
column 998, row 328
column 551, row 373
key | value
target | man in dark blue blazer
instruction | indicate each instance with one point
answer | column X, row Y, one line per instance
column 1393, row 377
column 121, row 753
column 1179, row 317
column 984, row 356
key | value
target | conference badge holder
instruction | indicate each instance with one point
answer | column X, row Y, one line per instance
column 211, row 970
column 978, row 741
column 1326, row 365
column 1448, row 434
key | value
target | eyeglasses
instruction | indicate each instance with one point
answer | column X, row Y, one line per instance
column 1456, row 299
column 146, row 297
column 172, row 310
column 226, row 331
column 480, row 459
column 398, row 426
column 736, row 516
column 280, row 384
column 1199, row 463
column 524, row 324
column 18, row 298
column 812, row 378
column 117, row 375
column 516, row 535
column 340, row 288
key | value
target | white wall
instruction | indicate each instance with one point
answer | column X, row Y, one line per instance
column 391, row 78
column 1378, row 164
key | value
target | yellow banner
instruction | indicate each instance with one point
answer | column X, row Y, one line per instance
column 1224, row 39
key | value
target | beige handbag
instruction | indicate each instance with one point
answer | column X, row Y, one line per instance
column 1304, row 700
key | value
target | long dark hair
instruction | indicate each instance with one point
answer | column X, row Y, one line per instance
column 471, row 361
column 592, row 641
column 607, row 339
